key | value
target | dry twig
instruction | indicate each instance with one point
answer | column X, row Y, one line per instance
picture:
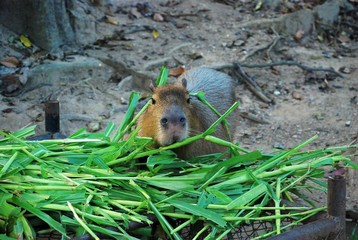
column 250, row 82
column 292, row 63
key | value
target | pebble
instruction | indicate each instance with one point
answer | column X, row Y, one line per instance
column 93, row 126
column 123, row 101
column 158, row 17
column 297, row 95
column 348, row 123
column 277, row 92
column 279, row 146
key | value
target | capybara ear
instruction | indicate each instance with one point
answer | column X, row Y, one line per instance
column 152, row 86
column 181, row 82
column 184, row 82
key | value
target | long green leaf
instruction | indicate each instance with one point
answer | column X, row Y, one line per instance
column 247, row 197
column 198, row 211
column 40, row 214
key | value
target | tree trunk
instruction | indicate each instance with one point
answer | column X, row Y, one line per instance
column 46, row 23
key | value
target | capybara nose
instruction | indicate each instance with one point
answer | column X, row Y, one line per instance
column 174, row 116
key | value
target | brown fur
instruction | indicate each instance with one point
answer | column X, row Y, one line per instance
column 219, row 91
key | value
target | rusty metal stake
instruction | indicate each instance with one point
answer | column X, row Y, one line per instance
column 52, row 116
column 337, row 204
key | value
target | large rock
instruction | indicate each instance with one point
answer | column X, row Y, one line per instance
column 77, row 70
column 328, row 12
column 302, row 20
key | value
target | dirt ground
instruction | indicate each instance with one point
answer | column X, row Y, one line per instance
column 198, row 33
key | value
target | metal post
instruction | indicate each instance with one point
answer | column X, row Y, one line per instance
column 52, row 116
column 336, row 201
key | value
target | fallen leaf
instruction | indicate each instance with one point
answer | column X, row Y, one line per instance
column 258, row 6
column 111, row 20
column 320, row 38
column 11, row 85
column 176, row 72
column 25, row 41
column 10, row 62
column 155, row 34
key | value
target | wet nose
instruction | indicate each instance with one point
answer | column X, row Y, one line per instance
column 173, row 116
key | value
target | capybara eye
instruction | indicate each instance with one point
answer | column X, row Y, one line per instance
column 188, row 100
column 164, row 121
column 153, row 101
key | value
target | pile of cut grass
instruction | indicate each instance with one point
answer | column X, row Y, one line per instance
column 93, row 183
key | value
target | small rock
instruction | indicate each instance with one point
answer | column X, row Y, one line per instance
column 245, row 133
column 348, row 123
column 24, row 74
column 123, row 101
column 263, row 105
column 39, row 117
column 158, row 17
column 194, row 55
column 279, row 146
column 180, row 24
column 277, row 92
column 298, row 35
column 297, row 95
column 345, row 70
column 93, row 126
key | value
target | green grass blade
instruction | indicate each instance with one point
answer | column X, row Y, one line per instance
column 247, row 197
column 133, row 100
column 40, row 214
column 197, row 211
column 81, row 222
column 163, row 76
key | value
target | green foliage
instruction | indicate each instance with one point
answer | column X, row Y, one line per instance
column 91, row 181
